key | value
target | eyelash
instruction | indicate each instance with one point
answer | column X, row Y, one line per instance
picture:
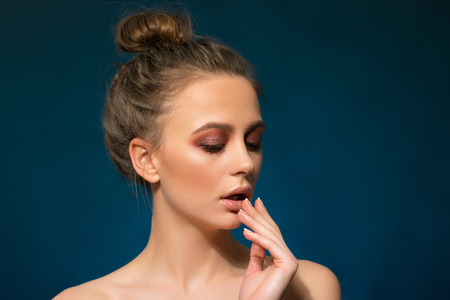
column 213, row 148
column 253, row 147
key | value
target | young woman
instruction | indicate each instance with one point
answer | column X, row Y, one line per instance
column 183, row 119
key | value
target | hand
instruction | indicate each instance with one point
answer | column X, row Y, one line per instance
column 272, row 282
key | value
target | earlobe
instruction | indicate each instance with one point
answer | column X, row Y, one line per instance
column 142, row 159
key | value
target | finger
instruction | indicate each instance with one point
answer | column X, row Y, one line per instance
column 281, row 258
column 253, row 212
column 257, row 257
column 260, row 228
column 261, row 209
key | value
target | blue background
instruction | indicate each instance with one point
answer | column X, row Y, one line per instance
column 357, row 163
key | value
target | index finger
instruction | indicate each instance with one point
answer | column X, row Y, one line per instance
column 261, row 209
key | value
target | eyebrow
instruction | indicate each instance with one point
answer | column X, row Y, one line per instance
column 226, row 127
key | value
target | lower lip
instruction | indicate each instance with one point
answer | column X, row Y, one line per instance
column 235, row 205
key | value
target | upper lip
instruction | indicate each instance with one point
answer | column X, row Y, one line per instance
column 245, row 190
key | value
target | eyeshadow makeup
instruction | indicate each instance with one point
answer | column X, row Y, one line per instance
column 212, row 138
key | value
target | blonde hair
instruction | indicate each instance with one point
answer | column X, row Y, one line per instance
column 170, row 57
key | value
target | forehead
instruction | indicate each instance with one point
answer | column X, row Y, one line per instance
column 230, row 100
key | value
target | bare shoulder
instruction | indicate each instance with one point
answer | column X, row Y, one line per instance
column 314, row 282
column 92, row 290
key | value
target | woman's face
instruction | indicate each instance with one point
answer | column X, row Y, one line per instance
column 211, row 153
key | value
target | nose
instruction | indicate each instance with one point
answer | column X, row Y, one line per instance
column 241, row 160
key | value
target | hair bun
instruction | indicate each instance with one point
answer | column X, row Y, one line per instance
column 142, row 31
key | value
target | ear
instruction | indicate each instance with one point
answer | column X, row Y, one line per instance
column 143, row 160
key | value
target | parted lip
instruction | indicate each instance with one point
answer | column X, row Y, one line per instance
column 245, row 190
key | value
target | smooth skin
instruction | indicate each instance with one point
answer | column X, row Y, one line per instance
column 211, row 145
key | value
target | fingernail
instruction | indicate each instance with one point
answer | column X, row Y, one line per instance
column 248, row 230
column 243, row 211
column 248, row 201
column 260, row 201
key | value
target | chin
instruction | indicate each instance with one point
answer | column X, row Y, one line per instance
column 232, row 227
column 231, row 222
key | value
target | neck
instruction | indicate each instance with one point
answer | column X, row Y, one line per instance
column 190, row 254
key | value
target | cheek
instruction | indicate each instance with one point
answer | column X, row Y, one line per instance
column 187, row 172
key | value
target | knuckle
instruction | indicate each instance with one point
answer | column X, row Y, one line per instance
column 292, row 266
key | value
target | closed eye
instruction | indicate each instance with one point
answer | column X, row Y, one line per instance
column 213, row 148
column 254, row 147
